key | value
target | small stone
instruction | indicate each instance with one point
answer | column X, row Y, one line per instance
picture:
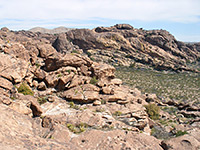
column 96, row 103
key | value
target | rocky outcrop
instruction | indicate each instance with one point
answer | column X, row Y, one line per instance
column 122, row 44
column 54, row 100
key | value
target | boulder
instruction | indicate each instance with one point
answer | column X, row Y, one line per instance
column 184, row 142
column 42, row 86
column 45, row 50
column 55, row 62
column 123, row 26
column 103, row 70
column 11, row 68
column 5, row 84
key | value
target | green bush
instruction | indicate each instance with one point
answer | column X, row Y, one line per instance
column 93, row 80
column 180, row 133
column 74, row 106
column 25, row 89
column 117, row 113
column 153, row 111
column 77, row 128
column 42, row 100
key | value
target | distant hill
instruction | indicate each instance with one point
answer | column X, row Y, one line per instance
column 50, row 31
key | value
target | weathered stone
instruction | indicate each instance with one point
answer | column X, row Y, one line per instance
column 58, row 61
column 20, row 107
column 39, row 74
column 116, row 81
column 42, row 86
column 184, row 142
column 106, row 90
column 12, row 69
column 5, row 84
column 96, row 103
column 5, row 100
column 103, row 70
column 45, row 50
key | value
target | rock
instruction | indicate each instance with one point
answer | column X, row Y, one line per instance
column 39, row 74
column 5, row 84
column 51, row 80
column 124, row 26
column 5, row 100
column 45, row 50
column 32, row 103
column 62, row 45
column 42, row 86
column 47, row 122
column 55, row 62
column 12, row 69
column 184, row 142
column 103, row 70
column 116, row 81
column 97, row 103
column 18, row 132
column 85, row 93
column 17, row 50
column 20, row 107
column 107, row 90
column 115, row 139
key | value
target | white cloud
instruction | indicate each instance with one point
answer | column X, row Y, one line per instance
column 144, row 10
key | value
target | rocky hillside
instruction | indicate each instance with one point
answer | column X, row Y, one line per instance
column 124, row 45
column 53, row 99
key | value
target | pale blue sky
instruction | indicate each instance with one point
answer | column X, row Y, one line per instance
column 179, row 17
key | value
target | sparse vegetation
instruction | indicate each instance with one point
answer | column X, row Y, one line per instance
column 77, row 128
column 93, row 80
column 182, row 87
column 75, row 51
column 59, row 75
column 42, row 100
column 117, row 113
column 180, row 133
column 153, row 111
column 25, row 89
column 74, row 106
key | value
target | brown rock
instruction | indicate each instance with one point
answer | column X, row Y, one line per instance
column 97, row 103
column 58, row 61
column 45, row 50
column 42, row 86
column 12, row 68
column 47, row 122
column 103, row 70
column 5, row 100
column 31, row 102
column 116, row 81
column 51, row 80
column 20, row 107
column 184, row 142
column 39, row 74
column 106, row 90
column 5, row 84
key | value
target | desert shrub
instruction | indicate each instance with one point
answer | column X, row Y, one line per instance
column 153, row 111
column 180, row 133
column 74, row 106
column 89, row 54
column 77, row 128
column 117, row 113
column 132, row 65
column 42, row 100
column 93, row 80
column 75, row 51
column 25, row 89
